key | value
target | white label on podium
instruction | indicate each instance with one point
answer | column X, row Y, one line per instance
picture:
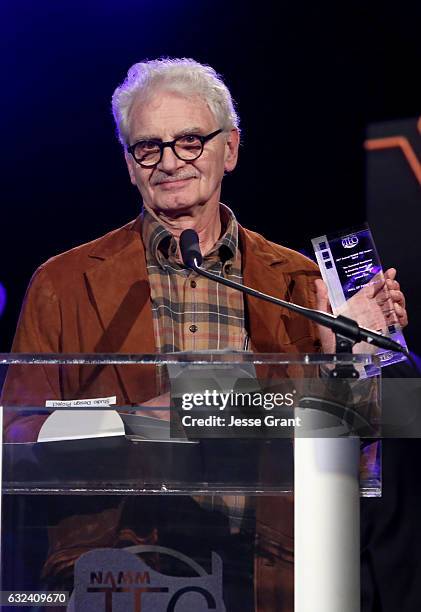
column 93, row 402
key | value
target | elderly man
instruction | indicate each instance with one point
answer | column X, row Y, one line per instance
column 128, row 291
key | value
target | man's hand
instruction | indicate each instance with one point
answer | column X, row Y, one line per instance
column 377, row 306
column 397, row 297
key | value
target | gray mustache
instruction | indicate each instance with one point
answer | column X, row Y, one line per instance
column 165, row 178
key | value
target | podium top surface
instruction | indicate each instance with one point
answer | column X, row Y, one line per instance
column 199, row 357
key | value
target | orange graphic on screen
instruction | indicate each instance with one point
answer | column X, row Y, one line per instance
column 373, row 144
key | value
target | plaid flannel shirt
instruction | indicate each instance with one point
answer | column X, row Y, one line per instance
column 192, row 313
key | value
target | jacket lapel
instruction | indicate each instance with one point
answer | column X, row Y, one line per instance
column 263, row 270
column 118, row 285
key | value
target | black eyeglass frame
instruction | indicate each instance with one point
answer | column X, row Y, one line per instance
column 171, row 144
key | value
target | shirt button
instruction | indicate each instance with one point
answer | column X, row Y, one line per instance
column 193, row 284
column 193, row 328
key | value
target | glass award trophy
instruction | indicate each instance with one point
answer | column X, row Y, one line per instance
column 351, row 268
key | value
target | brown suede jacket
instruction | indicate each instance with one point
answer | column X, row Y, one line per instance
column 96, row 299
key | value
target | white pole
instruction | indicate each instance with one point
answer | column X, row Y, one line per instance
column 327, row 525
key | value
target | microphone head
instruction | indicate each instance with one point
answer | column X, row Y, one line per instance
column 190, row 249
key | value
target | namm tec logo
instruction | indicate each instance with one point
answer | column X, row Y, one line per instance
column 349, row 242
column 117, row 580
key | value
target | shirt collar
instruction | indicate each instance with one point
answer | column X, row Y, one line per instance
column 161, row 244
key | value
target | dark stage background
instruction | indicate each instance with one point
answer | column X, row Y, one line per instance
column 308, row 80
column 313, row 81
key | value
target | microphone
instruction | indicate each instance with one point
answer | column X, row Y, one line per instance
column 190, row 249
column 343, row 326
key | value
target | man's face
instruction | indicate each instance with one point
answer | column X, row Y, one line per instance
column 175, row 186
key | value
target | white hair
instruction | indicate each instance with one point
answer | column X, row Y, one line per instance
column 183, row 76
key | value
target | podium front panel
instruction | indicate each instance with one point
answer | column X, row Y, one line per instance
column 112, row 495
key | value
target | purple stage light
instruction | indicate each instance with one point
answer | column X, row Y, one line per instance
column 2, row 299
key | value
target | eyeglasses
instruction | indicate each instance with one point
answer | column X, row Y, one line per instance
column 148, row 153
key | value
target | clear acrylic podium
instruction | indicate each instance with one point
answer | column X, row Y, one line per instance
column 109, row 494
